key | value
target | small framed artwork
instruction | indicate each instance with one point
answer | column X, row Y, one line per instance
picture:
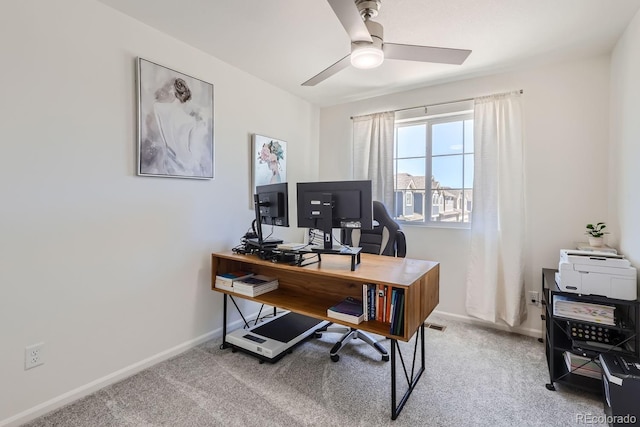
column 175, row 123
column 269, row 156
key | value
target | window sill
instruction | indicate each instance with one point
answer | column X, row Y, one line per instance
column 442, row 225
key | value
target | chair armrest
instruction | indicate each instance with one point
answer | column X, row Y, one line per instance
column 401, row 244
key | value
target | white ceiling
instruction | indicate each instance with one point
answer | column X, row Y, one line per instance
column 285, row 42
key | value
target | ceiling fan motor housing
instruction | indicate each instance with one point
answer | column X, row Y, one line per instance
column 368, row 54
column 368, row 8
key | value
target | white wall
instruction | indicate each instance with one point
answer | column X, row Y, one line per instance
column 108, row 269
column 625, row 142
column 566, row 109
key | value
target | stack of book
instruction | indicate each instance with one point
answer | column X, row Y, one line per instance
column 225, row 280
column 582, row 365
column 384, row 304
column 255, row 285
column 596, row 313
column 348, row 310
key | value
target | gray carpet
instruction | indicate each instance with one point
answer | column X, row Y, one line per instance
column 475, row 376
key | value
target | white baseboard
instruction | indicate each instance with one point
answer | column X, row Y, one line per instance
column 535, row 333
column 85, row 390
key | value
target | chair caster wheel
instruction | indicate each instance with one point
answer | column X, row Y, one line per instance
column 335, row 357
column 317, row 335
column 385, row 358
column 233, row 350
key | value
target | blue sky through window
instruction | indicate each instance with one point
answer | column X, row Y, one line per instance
column 448, row 139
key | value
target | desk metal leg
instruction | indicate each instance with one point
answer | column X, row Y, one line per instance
column 412, row 378
column 224, row 319
column 224, row 322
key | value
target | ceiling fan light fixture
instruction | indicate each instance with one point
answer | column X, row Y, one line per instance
column 366, row 56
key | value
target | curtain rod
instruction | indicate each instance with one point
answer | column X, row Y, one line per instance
column 433, row 105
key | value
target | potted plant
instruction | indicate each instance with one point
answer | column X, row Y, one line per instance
column 596, row 233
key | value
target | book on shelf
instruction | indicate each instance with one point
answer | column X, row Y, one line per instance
column 365, row 301
column 348, row 310
column 582, row 365
column 255, row 285
column 380, row 303
column 578, row 310
column 371, row 301
column 392, row 306
column 387, row 304
column 225, row 280
column 397, row 323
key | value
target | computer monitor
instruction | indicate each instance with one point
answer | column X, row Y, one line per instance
column 271, row 204
column 334, row 204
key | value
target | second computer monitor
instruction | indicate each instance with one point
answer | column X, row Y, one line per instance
column 335, row 204
column 272, row 204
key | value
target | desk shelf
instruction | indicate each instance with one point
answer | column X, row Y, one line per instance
column 312, row 289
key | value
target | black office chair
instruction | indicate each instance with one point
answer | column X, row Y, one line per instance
column 386, row 238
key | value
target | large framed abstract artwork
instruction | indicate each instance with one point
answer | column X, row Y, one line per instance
column 269, row 156
column 175, row 123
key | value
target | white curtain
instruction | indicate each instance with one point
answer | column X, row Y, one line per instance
column 495, row 280
column 373, row 153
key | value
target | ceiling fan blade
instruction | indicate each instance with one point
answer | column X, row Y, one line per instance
column 441, row 55
column 349, row 16
column 328, row 72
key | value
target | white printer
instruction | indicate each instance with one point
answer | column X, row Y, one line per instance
column 597, row 273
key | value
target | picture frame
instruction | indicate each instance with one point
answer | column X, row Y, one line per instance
column 175, row 123
column 269, row 160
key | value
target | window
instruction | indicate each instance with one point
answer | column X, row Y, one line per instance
column 433, row 168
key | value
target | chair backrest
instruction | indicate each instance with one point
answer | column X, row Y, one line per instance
column 386, row 238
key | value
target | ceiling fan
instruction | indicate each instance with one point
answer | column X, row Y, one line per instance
column 368, row 50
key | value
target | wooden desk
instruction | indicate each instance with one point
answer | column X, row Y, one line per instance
column 312, row 289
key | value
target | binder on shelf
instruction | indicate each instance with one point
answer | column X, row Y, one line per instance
column 397, row 323
column 347, row 310
column 400, row 321
column 225, row 280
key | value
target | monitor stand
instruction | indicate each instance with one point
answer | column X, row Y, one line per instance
column 271, row 340
column 342, row 250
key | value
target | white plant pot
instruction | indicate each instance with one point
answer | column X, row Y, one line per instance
column 596, row 241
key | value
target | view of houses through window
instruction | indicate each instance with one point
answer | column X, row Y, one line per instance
column 433, row 169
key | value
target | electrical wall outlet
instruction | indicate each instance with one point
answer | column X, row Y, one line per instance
column 33, row 356
column 534, row 298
